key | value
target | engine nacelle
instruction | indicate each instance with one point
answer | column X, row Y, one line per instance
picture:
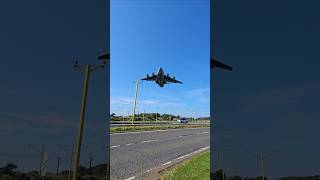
column 147, row 75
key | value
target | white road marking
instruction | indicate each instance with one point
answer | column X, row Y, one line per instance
column 169, row 162
column 152, row 140
column 129, row 144
column 156, row 131
column 148, row 170
column 130, row 178
column 115, row 146
column 194, row 152
column 181, row 157
column 180, row 136
column 203, row 133
column 166, row 163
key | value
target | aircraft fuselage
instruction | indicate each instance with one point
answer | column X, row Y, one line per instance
column 160, row 77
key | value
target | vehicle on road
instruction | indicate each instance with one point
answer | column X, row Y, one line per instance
column 182, row 120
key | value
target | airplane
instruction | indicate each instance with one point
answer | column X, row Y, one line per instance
column 215, row 63
column 161, row 79
column 104, row 56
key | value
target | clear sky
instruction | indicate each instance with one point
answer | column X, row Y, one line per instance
column 40, row 90
column 174, row 35
column 270, row 102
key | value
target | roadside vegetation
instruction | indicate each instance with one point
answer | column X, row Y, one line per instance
column 197, row 167
column 152, row 117
column 157, row 122
column 9, row 172
column 120, row 129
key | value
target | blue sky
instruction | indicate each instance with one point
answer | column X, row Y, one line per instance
column 174, row 35
column 40, row 90
column 270, row 101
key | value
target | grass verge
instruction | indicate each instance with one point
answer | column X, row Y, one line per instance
column 151, row 128
column 198, row 167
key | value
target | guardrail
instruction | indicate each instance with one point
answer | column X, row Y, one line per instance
column 140, row 123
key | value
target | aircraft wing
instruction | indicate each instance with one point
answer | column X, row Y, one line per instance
column 150, row 78
column 104, row 56
column 215, row 63
column 171, row 80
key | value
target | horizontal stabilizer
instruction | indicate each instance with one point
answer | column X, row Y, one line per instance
column 215, row 63
column 105, row 56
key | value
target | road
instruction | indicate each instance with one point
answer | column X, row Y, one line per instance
column 133, row 154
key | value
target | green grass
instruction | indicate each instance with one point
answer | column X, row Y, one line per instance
column 198, row 167
column 151, row 128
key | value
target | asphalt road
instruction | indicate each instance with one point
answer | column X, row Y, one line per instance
column 133, row 154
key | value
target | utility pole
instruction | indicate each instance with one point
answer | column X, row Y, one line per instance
column 58, row 165
column 222, row 159
column 192, row 117
column 71, row 161
column 135, row 102
column 87, row 69
column 123, row 112
column 90, row 161
column 213, row 65
column 104, row 58
column 144, row 111
column 41, row 157
column 262, row 165
column 261, row 157
column 37, row 149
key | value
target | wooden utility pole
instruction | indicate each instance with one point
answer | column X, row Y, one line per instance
column 135, row 102
column 90, row 161
column 144, row 111
column 41, row 157
column 87, row 69
column 58, row 165
column 71, row 162
column 262, row 165
column 82, row 114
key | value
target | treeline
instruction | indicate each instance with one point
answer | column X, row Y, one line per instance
column 300, row 178
column 98, row 172
column 146, row 117
column 218, row 176
column 9, row 172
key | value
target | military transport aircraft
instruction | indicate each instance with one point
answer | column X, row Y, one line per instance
column 161, row 78
column 215, row 63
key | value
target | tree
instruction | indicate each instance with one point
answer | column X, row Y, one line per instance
column 260, row 178
column 217, row 175
column 8, row 169
column 234, row 178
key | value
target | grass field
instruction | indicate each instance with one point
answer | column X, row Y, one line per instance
column 151, row 128
column 197, row 167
